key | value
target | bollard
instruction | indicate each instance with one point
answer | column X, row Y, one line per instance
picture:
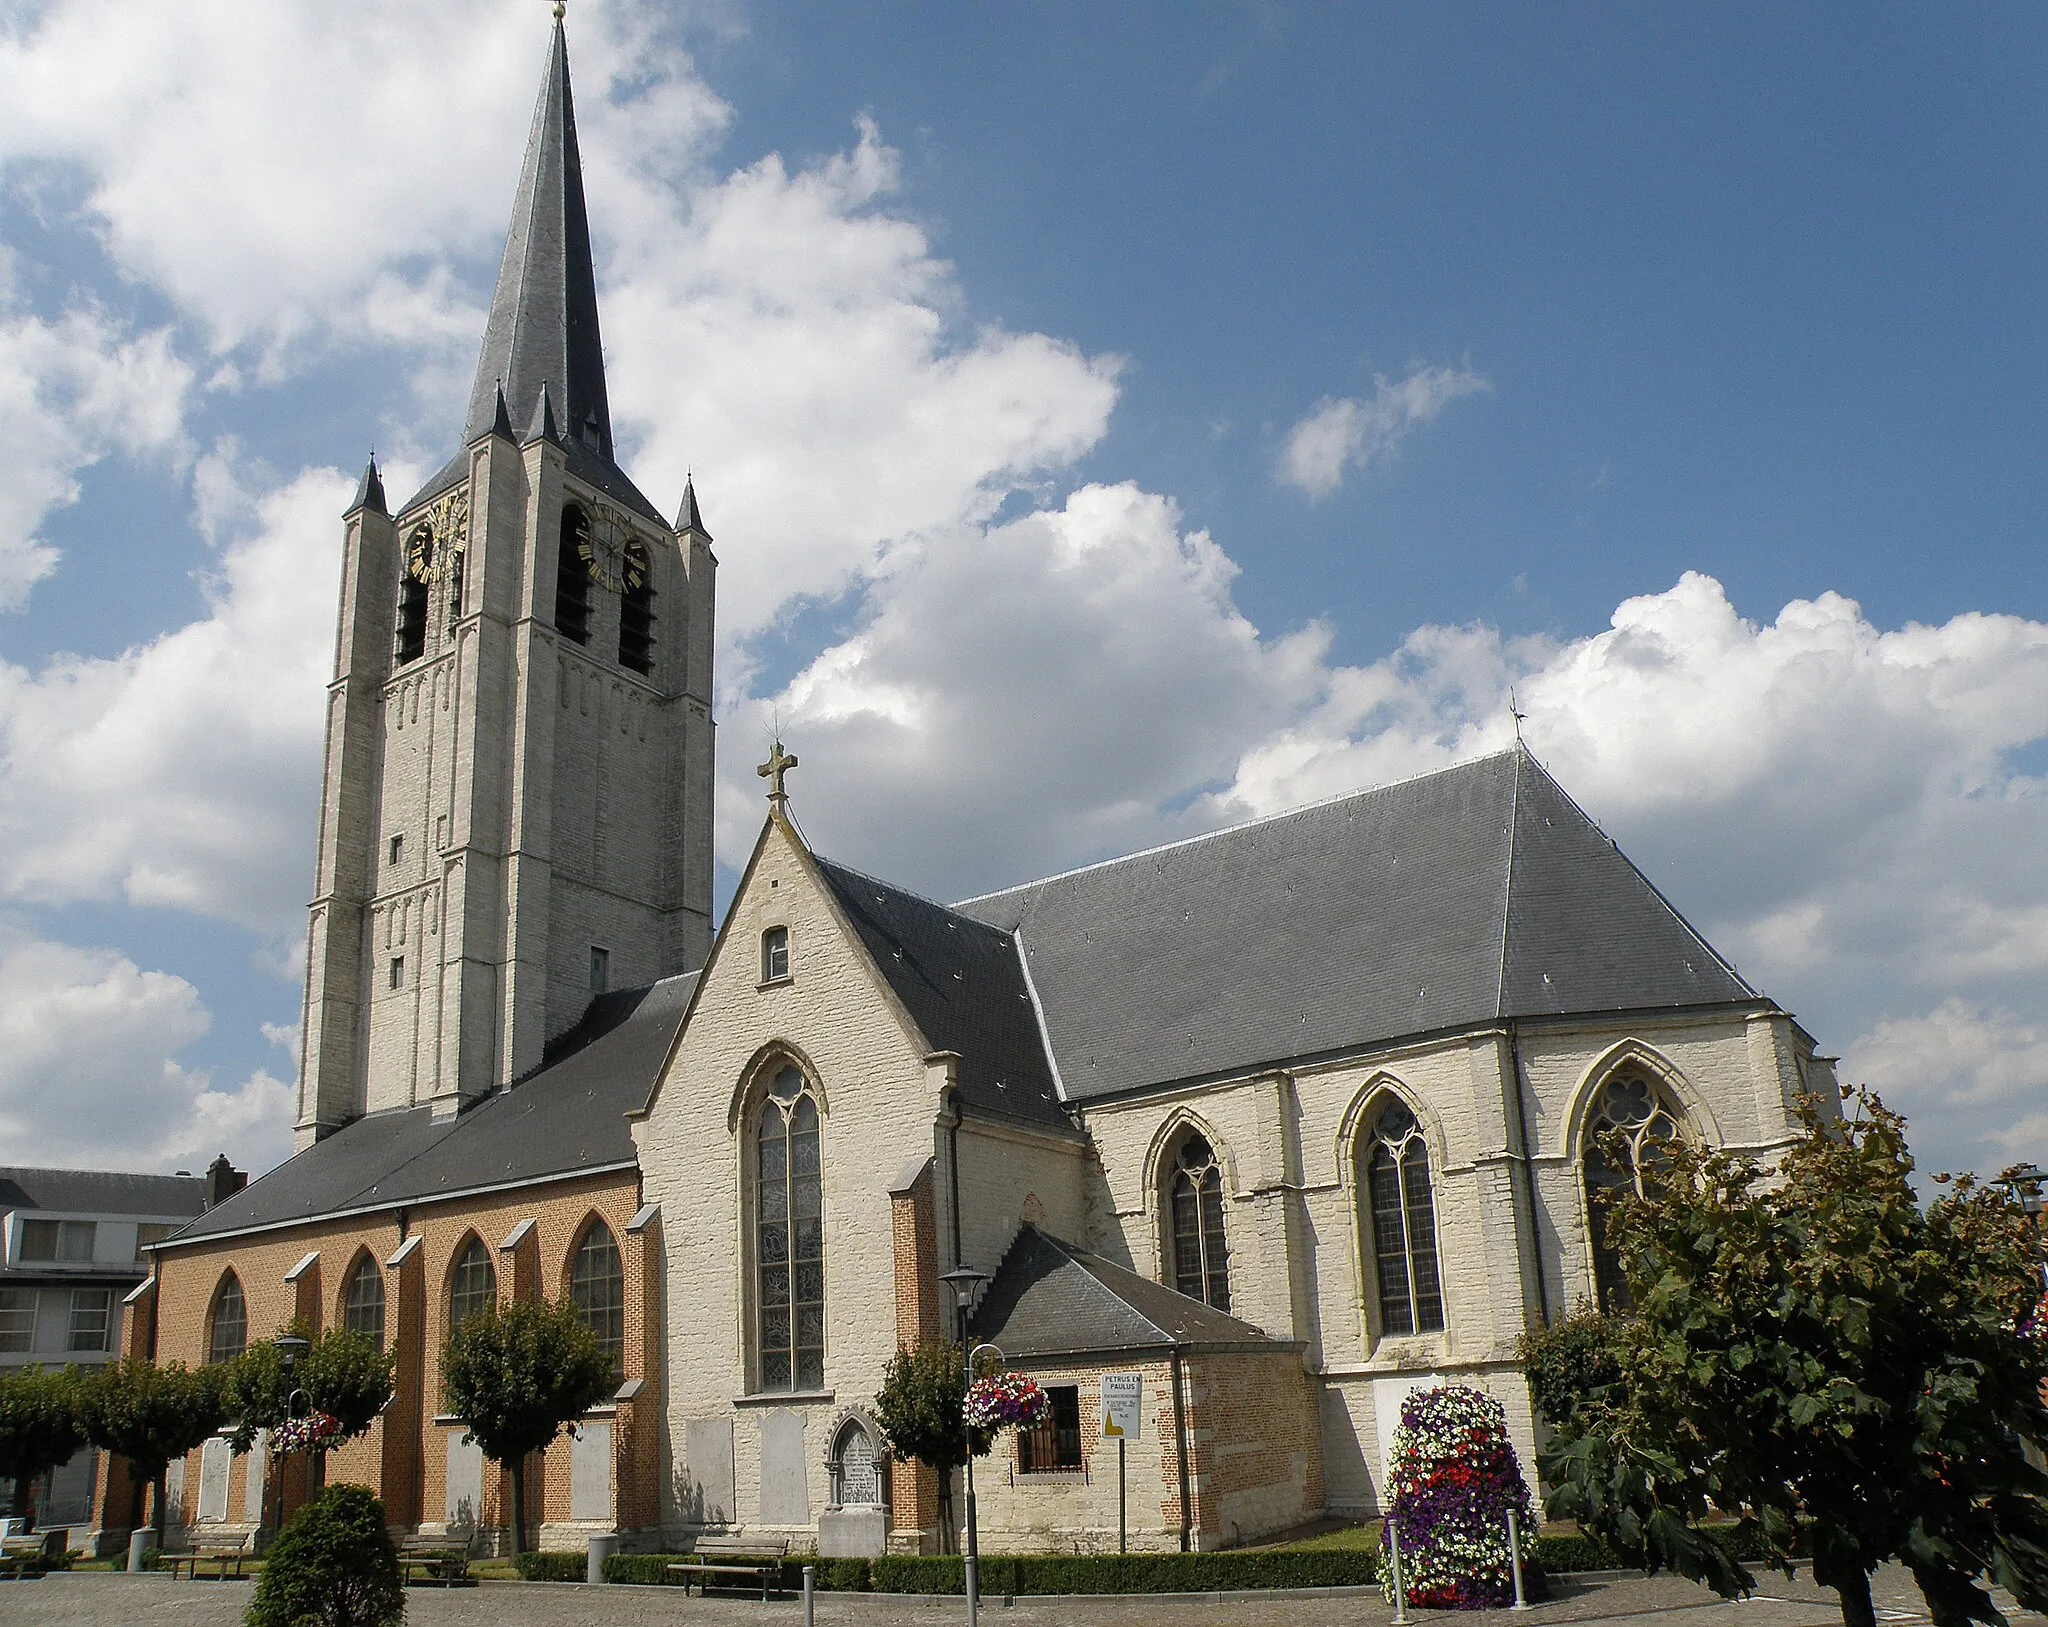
column 1400, row 1584
column 137, row 1541
column 1515, row 1558
column 602, row 1546
column 810, row 1587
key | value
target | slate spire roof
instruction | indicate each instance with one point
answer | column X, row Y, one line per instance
column 369, row 490
column 1464, row 897
column 687, row 518
column 543, row 326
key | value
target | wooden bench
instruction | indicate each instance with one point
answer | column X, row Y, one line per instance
column 434, row 1562
column 21, row 1559
column 714, row 1558
column 220, row 1552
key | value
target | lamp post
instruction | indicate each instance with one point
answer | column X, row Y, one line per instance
column 964, row 1280
column 290, row 1347
column 2023, row 1186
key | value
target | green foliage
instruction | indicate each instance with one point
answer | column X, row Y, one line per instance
column 1023, row 1575
column 1820, row 1356
column 343, row 1374
column 919, row 1407
column 516, row 1376
column 40, row 1425
column 1570, row 1363
column 552, row 1567
column 332, row 1566
column 150, row 1414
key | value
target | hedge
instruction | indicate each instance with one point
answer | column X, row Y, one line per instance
column 552, row 1567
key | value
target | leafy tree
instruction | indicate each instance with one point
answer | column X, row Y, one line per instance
column 1818, row 1354
column 516, row 1375
column 919, row 1409
column 1569, row 1363
column 150, row 1415
column 332, row 1566
column 342, row 1374
column 39, row 1425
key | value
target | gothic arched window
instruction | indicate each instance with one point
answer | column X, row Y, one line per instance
column 572, row 579
column 227, row 1324
column 472, row 1285
column 1394, row 1176
column 636, row 611
column 789, row 1237
column 362, row 1309
column 1643, row 1116
column 1201, row 1262
column 597, row 1287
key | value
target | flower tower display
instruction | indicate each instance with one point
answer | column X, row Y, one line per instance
column 1455, row 1476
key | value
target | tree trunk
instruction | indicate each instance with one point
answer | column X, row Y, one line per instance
column 1851, row 1583
column 160, row 1482
column 517, row 1467
column 949, row 1539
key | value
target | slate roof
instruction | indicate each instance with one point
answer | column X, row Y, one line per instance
column 1473, row 894
column 565, row 1118
column 1052, row 1298
column 543, row 326
column 963, row 984
column 102, row 1192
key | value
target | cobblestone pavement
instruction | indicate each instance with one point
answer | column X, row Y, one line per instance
column 101, row 1600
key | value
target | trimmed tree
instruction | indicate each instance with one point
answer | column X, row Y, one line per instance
column 40, row 1427
column 919, row 1407
column 1836, row 1365
column 342, row 1374
column 150, row 1415
column 332, row 1566
column 519, row 1374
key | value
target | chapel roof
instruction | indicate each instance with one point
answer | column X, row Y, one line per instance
column 567, row 1117
column 1473, row 894
column 963, row 984
column 1054, row 1298
column 542, row 333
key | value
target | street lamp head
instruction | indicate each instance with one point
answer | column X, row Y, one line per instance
column 964, row 1279
column 2025, row 1183
column 291, row 1347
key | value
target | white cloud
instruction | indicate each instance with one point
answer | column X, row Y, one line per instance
column 88, row 1069
column 72, row 391
column 1341, row 432
column 1983, row 1065
column 184, row 773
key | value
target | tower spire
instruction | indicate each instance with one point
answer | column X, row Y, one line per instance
column 543, row 324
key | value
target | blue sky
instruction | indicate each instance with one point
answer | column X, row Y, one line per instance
column 1114, row 422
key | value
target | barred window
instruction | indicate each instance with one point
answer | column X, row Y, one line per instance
column 572, row 579
column 472, row 1285
column 228, row 1326
column 1201, row 1262
column 1054, row 1442
column 17, row 1320
column 789, row 1238
column 597, row 1286
column 363, row 1310
column 1395, row 1179
column 91, row 1311
column 636, row 611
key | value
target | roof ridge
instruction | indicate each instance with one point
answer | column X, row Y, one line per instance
column 1507, row 889
column 1356, row 791
column 897, row 887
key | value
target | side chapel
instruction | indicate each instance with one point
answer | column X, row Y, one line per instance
column 1287, row 1119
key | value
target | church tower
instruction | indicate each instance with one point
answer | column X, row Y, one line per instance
column 516, row 812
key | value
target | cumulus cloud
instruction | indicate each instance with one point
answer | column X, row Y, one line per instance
column 89, row 1070
column 1354, row 432
column 72, row 391
column 184, row 773
column 1985, row 1063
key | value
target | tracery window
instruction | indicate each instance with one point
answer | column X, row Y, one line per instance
column 362, row 1309
column 228, row 1325
column 572, row 580
column 1394, row 1176
column 789, row 1238
column 636, row 611
column 597, row 1287
column 472, row 1285
column 1646, row 1120
column 1201, row 1261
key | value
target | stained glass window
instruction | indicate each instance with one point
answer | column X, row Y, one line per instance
column 789, row 1238
column 1403, row 1223
column 1201, row 1261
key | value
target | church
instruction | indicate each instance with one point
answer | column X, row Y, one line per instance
column 1274, row 1124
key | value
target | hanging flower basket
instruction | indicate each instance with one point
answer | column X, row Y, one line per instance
column 315, row 1432
column 1005, row 1401
column 1455, row 1476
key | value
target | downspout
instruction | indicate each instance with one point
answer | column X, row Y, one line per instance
column 1528, row 1173
column 953, row 1171
column 1180, row 1443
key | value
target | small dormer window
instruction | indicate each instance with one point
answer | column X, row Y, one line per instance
column 775, row 955
column 397, row 851
column 600, row 969
column 398, row 971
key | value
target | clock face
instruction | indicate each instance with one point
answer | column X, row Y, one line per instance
column 606, row 545
column 433, row 546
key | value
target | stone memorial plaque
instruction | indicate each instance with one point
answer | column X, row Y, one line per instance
column 785, row 1487
column 590, row 1472
column 860, row 1475
column 258, row 1463
column 214, row 1459
column 707, row 1471
column 465, row 1483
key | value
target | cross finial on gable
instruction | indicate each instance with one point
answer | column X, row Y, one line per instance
column 779, row 763
column 1518, row 715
